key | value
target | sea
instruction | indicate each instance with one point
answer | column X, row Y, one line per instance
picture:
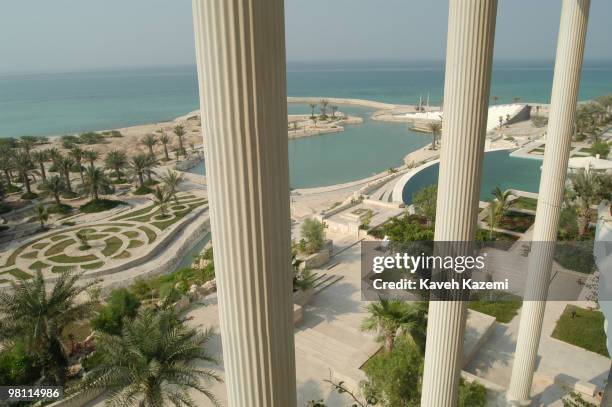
column 72, row 102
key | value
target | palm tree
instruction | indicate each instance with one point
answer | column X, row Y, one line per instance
column 7, row 164
column 65, row 164
column 161, row 198
column 334, row 109
column 387, row 317
column 586, row 189
column 497, row 208
column 495, row 99
column 324, row 103
column 152, row 363
column 149, row 140
column 164, row 139
column 39, row 315
column 435, row 128
column 27, row 143
column 41, row 214
column 77, row 154
column 151, row 162
column 24, row 165
column 54, row 185
column 172, row 180
column 91, row 156
column 96, row 182
column 54, row 154
column 138, row 166
column 41, row 157
column 313, row 106
column 179, row 130
column 116, row 161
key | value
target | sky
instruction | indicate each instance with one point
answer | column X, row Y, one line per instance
column 68, row 35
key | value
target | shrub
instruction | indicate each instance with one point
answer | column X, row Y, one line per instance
column 472, row 394
column 313, row 236
column 121, row 304
column 99, row 205
column 600, row 147
column 424, row 203
column 394, row 378
column 18, row 366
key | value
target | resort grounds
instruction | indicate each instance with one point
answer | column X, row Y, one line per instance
column 121, row 210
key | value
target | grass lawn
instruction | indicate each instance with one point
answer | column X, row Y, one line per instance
column 142, row 190
column 112, row 245
column 584, row 329
column 516, row 221
column 502, row 306
column 63, row 258
column 17, row 273
column 100, row 205
column 59, row 247
column 525, row 203
column 150, row 234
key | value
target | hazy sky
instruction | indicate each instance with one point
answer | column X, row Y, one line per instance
column 44, row 35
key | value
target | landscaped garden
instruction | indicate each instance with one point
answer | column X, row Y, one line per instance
column 98, row 245
column 582, row 327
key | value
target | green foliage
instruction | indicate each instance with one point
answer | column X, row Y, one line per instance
column 424, row 203
column 600, row 147
column 99, row 205
column 91, row 138
column 38, row 315
column 472, row 395
column 582, row 327
column 121, row 304
column 18, row 366
column 394, row 378
column 501, row 305
column 388, row 317
column 407, row 228
column 313, row 236
column 575, row 399
column 155, row 362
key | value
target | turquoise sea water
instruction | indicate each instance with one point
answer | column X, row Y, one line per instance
column 358, row 152
column 500, row 169
column 42, row 104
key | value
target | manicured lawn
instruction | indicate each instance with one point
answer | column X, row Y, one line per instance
column 132, row 214
column 100, row 205
column 17, row 273
column 525, row 203
column 92, row 266
column 135, row 243
column 61, row 269
column 59, row 247
column 150, row 234
column 112, row 245
column 62, row 258
column 502, row 306
column 583, row 328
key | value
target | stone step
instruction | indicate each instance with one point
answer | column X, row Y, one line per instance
column 326, row 344
column 329, row 281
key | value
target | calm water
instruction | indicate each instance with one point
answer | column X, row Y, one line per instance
column 499, row 170
column 358, row 152
column 42, row 104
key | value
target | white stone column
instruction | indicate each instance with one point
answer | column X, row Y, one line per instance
column 471, row 30
column 568, row 64
column 240, row 51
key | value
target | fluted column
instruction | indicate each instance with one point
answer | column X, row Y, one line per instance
column 566, row 81
column 240, row 51
column 471, row 30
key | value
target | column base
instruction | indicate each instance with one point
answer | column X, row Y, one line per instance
column 505, row 400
